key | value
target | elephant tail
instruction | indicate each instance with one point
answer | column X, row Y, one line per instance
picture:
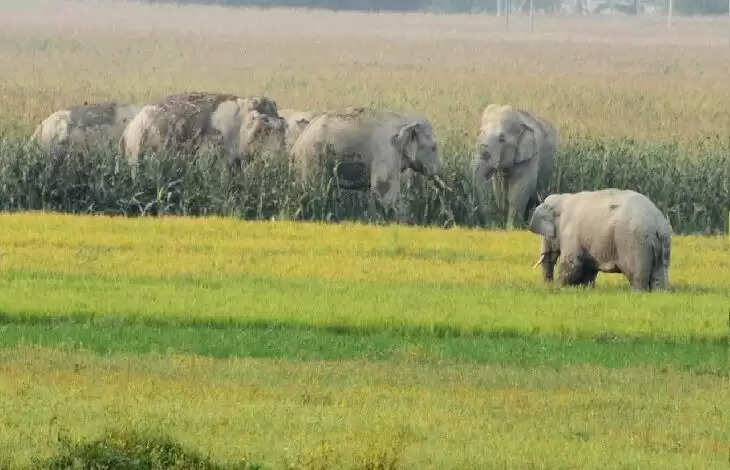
column 662, row 253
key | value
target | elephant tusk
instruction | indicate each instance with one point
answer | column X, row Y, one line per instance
column 542, row 258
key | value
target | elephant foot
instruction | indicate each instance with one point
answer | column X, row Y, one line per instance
column 574, row 272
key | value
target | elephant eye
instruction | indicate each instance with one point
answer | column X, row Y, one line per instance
column 501, row 138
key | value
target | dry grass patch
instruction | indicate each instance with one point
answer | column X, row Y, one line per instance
column 599, row 77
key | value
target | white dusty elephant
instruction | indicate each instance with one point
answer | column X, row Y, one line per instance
column 369, row 149
column 612, row 231
column 78, row 129
column 296, row 122
column 192, row 123
column 516, row 150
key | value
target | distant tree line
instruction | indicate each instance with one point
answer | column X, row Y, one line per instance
column 689, row 7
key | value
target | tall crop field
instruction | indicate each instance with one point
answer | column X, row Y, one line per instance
column 692, row 192
column 637, row 106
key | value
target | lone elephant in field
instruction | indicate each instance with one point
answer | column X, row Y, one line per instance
column 369, row 149
column 193, row 123
column 612, row 231
column 517, row 151
column 80, row 129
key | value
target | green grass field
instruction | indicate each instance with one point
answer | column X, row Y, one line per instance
column 329, row 346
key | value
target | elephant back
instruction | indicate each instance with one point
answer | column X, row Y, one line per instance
column 183, row 119
column 91, row 115
column 341, row 143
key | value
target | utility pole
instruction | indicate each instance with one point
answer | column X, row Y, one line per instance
column 670, row 8
column 507, row 11
column 499, row 7
column 532, row 15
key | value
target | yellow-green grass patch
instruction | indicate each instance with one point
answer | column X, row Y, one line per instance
column 279, row 412
column 223, row 271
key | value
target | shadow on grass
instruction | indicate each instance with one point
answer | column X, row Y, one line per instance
column 130, row 451
column 432, row 330
column 298, row 342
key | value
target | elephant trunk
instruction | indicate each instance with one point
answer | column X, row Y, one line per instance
column 429, row 173
column 440, row 183
column 500, row 191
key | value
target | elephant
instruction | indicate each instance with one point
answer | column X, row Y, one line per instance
column 517, row 151
column 78, row 129
column 296, row 122
column 369, row 149
column 611, row 231
column 199, row 122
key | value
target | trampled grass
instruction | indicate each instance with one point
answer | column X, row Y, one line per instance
column 344, row 414
column 397, row 278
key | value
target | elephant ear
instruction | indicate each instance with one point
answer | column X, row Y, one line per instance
column 406, row 142
column 302, row 123
column 489, row 111
column 543, row 221
column 526, row 144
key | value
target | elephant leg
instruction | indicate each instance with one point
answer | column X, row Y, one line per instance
column 571, row 271
column 387, row 190
column 587, row 277
column 659, row 277
column 639, row 282
column 499, row 190
column 521, row 187
column 639, row 274
column 518, row 199
column 375, row 212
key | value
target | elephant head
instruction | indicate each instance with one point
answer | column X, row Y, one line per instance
column 417, row 147
column 545, row 222
column 505, row 139
column 263, row 133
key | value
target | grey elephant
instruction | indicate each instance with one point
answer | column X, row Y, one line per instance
column 611, row 231
column 194, row 123
column 517, row 151
column 79, row 129
column 369, row 150
column 296, row 122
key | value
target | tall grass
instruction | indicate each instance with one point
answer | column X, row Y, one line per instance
column 694, row 191
column 637, row 106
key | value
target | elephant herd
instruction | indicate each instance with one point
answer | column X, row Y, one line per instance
column 583, row 233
